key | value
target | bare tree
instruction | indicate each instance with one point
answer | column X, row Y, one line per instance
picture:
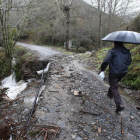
column 110, row 13
column 65, row 7
column 9, row 28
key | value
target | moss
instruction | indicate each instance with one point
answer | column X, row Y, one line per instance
column 34, row 132
column 22, row 56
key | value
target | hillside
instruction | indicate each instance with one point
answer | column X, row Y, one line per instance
column 47, row 24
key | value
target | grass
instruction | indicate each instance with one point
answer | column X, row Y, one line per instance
column 22, row 56
column 133, row 76
column 65, row 51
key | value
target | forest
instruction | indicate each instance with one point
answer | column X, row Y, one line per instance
column 76, row 25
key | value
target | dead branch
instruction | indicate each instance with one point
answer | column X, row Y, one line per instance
column 122, row 126
column 53, row 91
column 54, row 127
column 49, row 129
column 45, row 138
column 92, row 113
column 40, row 133
column 100, row 106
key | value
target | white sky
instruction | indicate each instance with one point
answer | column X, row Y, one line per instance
column 135, row 5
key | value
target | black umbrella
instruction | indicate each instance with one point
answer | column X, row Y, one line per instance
column 123, row 36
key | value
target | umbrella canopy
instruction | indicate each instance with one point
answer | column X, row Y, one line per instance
column 123, row 36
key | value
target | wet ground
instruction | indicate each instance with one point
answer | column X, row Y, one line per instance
column 89, row 115
column 74, row 98
column 41, row 51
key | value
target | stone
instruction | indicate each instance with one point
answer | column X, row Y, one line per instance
column 76, row 93
column 73, row 136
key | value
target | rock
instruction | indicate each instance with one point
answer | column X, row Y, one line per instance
column 138, row 113
column 89, row 53
column 93, row 52
column 78, row 138
column 93, row 123
column 75, row 130
column 128, row 91
column 99, row 130
column 76, row 93
column 73, row 136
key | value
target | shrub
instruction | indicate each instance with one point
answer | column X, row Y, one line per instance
column 5, row 65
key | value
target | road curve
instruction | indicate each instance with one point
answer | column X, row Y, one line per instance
column 42, row 52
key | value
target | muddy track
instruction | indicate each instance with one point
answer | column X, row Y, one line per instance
column 88, row 116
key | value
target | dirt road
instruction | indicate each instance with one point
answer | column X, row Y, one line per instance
column 90, row 115
column 41, row 51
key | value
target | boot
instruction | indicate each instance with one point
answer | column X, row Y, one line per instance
column 119, row 108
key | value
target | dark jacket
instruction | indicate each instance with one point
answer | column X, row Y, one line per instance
column 118, row 60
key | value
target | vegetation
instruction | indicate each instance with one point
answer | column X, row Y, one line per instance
column 57, row 22
column 86, row 24
column 133, row 76
column 5, row 67
column 22, row 56
column 135, row 24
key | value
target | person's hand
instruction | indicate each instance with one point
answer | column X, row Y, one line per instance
column 102, row 74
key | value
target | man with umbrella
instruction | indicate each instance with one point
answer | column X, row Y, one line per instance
column 118, row 60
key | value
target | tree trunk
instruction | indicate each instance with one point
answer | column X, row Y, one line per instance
column 99, row 29
column 67, row 27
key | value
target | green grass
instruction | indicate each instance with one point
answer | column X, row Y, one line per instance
column 22, row 56
column 65, row 51
column 100, row 55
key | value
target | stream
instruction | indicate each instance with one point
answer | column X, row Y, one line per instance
column 14, row 88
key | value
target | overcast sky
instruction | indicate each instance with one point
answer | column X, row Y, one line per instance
column 135, row 7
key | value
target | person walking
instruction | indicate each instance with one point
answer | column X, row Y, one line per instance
column 118, row 60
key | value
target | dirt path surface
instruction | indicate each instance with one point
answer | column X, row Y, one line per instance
column 72, row 105
column 41, row 51
column 89, row 115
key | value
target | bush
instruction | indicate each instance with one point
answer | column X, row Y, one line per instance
column 135, row 24
column 5, row 65
column 22, row 56
column 133, row 76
